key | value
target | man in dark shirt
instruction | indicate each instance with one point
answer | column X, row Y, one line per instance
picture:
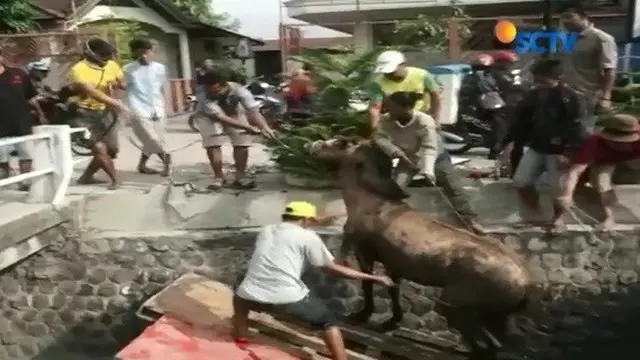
column 17, row 95
column 548, row 125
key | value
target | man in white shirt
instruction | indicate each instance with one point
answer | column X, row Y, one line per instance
column 273, row 281
column 145, row 80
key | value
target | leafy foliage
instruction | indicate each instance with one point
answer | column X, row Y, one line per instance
column 431, row 31
column 202, row 10
column 339, row 78
column 16, row 16
column 121, row 31
column 626, row 93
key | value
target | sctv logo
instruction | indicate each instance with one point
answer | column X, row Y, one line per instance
column 536, row 42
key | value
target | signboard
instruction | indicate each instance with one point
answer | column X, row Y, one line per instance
column 243, row 49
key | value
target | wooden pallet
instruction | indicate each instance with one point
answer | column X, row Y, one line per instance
column 202, row 302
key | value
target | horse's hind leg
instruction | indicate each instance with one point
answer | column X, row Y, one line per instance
column 365, row 261
column 396, row 308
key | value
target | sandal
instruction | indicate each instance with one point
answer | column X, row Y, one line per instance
column 216, row 185
column 244, row 184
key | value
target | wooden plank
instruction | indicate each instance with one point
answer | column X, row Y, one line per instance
column 268, row 325
column 386, row 343
column 194, row 299
column 430, row 340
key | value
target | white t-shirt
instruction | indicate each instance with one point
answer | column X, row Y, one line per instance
column 282, row 252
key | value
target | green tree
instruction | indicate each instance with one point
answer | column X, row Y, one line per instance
column 16, row 16
column 202, row 10
column 431, row 31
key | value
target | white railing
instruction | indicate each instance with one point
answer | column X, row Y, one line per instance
column 52, row 163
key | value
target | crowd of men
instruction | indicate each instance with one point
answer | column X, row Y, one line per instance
column 555, row 124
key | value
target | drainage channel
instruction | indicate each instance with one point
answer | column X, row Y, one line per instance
column 77, row 299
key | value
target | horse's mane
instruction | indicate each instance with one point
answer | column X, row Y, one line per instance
column 375, row 171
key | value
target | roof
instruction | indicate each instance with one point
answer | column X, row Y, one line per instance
column 308, row 43
column 62, row 9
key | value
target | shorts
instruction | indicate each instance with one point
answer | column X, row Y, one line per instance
column 214, row 134
column 97, row 123
column 532, row 165
column 600, row 177
column 23, row 149
column 309, row 311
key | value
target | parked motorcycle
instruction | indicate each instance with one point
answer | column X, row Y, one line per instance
column 482, row 107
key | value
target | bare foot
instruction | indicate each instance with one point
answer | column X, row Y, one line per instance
column 557, row 227
column 114, row 185
column 606, row 225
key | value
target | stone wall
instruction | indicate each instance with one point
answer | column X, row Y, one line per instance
column 77, row 299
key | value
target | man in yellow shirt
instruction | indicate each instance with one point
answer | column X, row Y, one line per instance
column 92, row 81
column 393, row 75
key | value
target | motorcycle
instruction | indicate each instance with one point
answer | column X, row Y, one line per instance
column 481, row 104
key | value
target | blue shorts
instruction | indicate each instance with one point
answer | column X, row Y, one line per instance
column 308, row 311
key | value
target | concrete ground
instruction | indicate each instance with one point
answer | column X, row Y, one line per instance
column 147, row 203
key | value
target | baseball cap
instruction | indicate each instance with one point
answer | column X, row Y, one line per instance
column 301, row 209
column 389, row 61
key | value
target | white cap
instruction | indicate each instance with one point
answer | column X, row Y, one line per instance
column 389, row 61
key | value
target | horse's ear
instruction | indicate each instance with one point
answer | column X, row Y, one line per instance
column 375, row 177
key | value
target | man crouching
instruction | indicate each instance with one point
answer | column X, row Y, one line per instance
column 273, row 281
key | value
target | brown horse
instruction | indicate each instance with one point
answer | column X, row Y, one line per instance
column 483, row 281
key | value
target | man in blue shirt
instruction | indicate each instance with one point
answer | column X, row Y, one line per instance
column 145, row 80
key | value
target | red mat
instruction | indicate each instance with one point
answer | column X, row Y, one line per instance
column 170, row 339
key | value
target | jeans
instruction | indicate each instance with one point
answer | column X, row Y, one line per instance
column 449, row 180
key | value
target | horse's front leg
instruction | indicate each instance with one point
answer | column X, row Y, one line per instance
column 365, row 261
column 396, row 308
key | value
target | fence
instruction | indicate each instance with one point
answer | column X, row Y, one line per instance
column 52, row 163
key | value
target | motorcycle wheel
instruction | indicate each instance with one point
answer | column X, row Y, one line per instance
column 192, row 123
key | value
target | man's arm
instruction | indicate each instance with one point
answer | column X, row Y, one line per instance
column 215, row 112
column 429, row 140
column 376, row 96
column 432, row 95
column 31, row 95
column 382, row 139
column 252, row 107
column 609, row 62
column 319, row 256
column 575, row 132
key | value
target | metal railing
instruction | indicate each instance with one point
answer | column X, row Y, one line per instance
column 52, row 163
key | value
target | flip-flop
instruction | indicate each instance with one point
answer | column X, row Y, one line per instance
column 216, row 185
column 250, row 184
column 91, row 181
column 147, row 171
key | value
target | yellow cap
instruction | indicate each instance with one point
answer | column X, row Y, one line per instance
column 302, row 209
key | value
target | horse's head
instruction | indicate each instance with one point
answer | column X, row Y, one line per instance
column 336, row 150
column 372, row 166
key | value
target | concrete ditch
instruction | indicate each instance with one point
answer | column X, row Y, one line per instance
column 77, row 298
